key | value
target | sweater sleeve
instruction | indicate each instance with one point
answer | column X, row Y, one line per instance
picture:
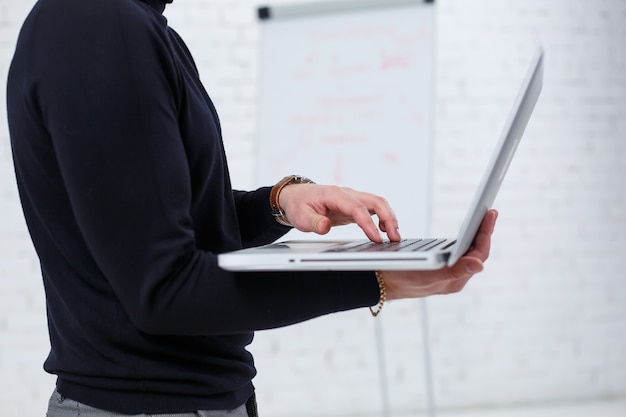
column 258, row 226
column 111, row 113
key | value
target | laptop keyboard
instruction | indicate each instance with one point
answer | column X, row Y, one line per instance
column 410, row 245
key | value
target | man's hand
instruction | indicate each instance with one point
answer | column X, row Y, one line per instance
column 317, row 208
column 452, row 279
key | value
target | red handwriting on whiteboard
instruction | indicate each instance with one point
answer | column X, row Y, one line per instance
column 394, row 61
column 346, row 138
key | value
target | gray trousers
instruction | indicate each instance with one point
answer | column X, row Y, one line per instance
column 59, row 406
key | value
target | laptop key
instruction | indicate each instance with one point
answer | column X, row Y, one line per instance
column 435, row 243
column 387, row 246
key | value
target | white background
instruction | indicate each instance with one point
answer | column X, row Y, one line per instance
column 544, row 324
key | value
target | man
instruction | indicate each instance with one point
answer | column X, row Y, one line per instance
column 125, row 189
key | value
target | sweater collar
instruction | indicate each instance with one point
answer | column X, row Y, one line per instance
column 158, row 5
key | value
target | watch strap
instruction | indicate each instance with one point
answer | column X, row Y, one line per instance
column 277, row 211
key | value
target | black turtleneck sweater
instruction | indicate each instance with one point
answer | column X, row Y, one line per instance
column 126, row 193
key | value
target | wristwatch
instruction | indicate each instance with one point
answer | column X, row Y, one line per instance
column 278, row 212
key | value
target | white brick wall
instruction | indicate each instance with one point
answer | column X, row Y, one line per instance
column 543, row 323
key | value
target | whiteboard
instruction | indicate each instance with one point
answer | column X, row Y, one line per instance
column 346, row 98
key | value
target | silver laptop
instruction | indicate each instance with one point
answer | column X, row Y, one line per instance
column 408, row 254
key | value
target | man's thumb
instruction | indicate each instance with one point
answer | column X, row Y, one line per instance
column 321, row 224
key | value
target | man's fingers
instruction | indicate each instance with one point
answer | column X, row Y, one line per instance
column 338, row 206
column 482, row 242
column 358, row 207
column 387, row 220
column 470, row 265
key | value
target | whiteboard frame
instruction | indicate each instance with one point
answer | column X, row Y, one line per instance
column 323, row 7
